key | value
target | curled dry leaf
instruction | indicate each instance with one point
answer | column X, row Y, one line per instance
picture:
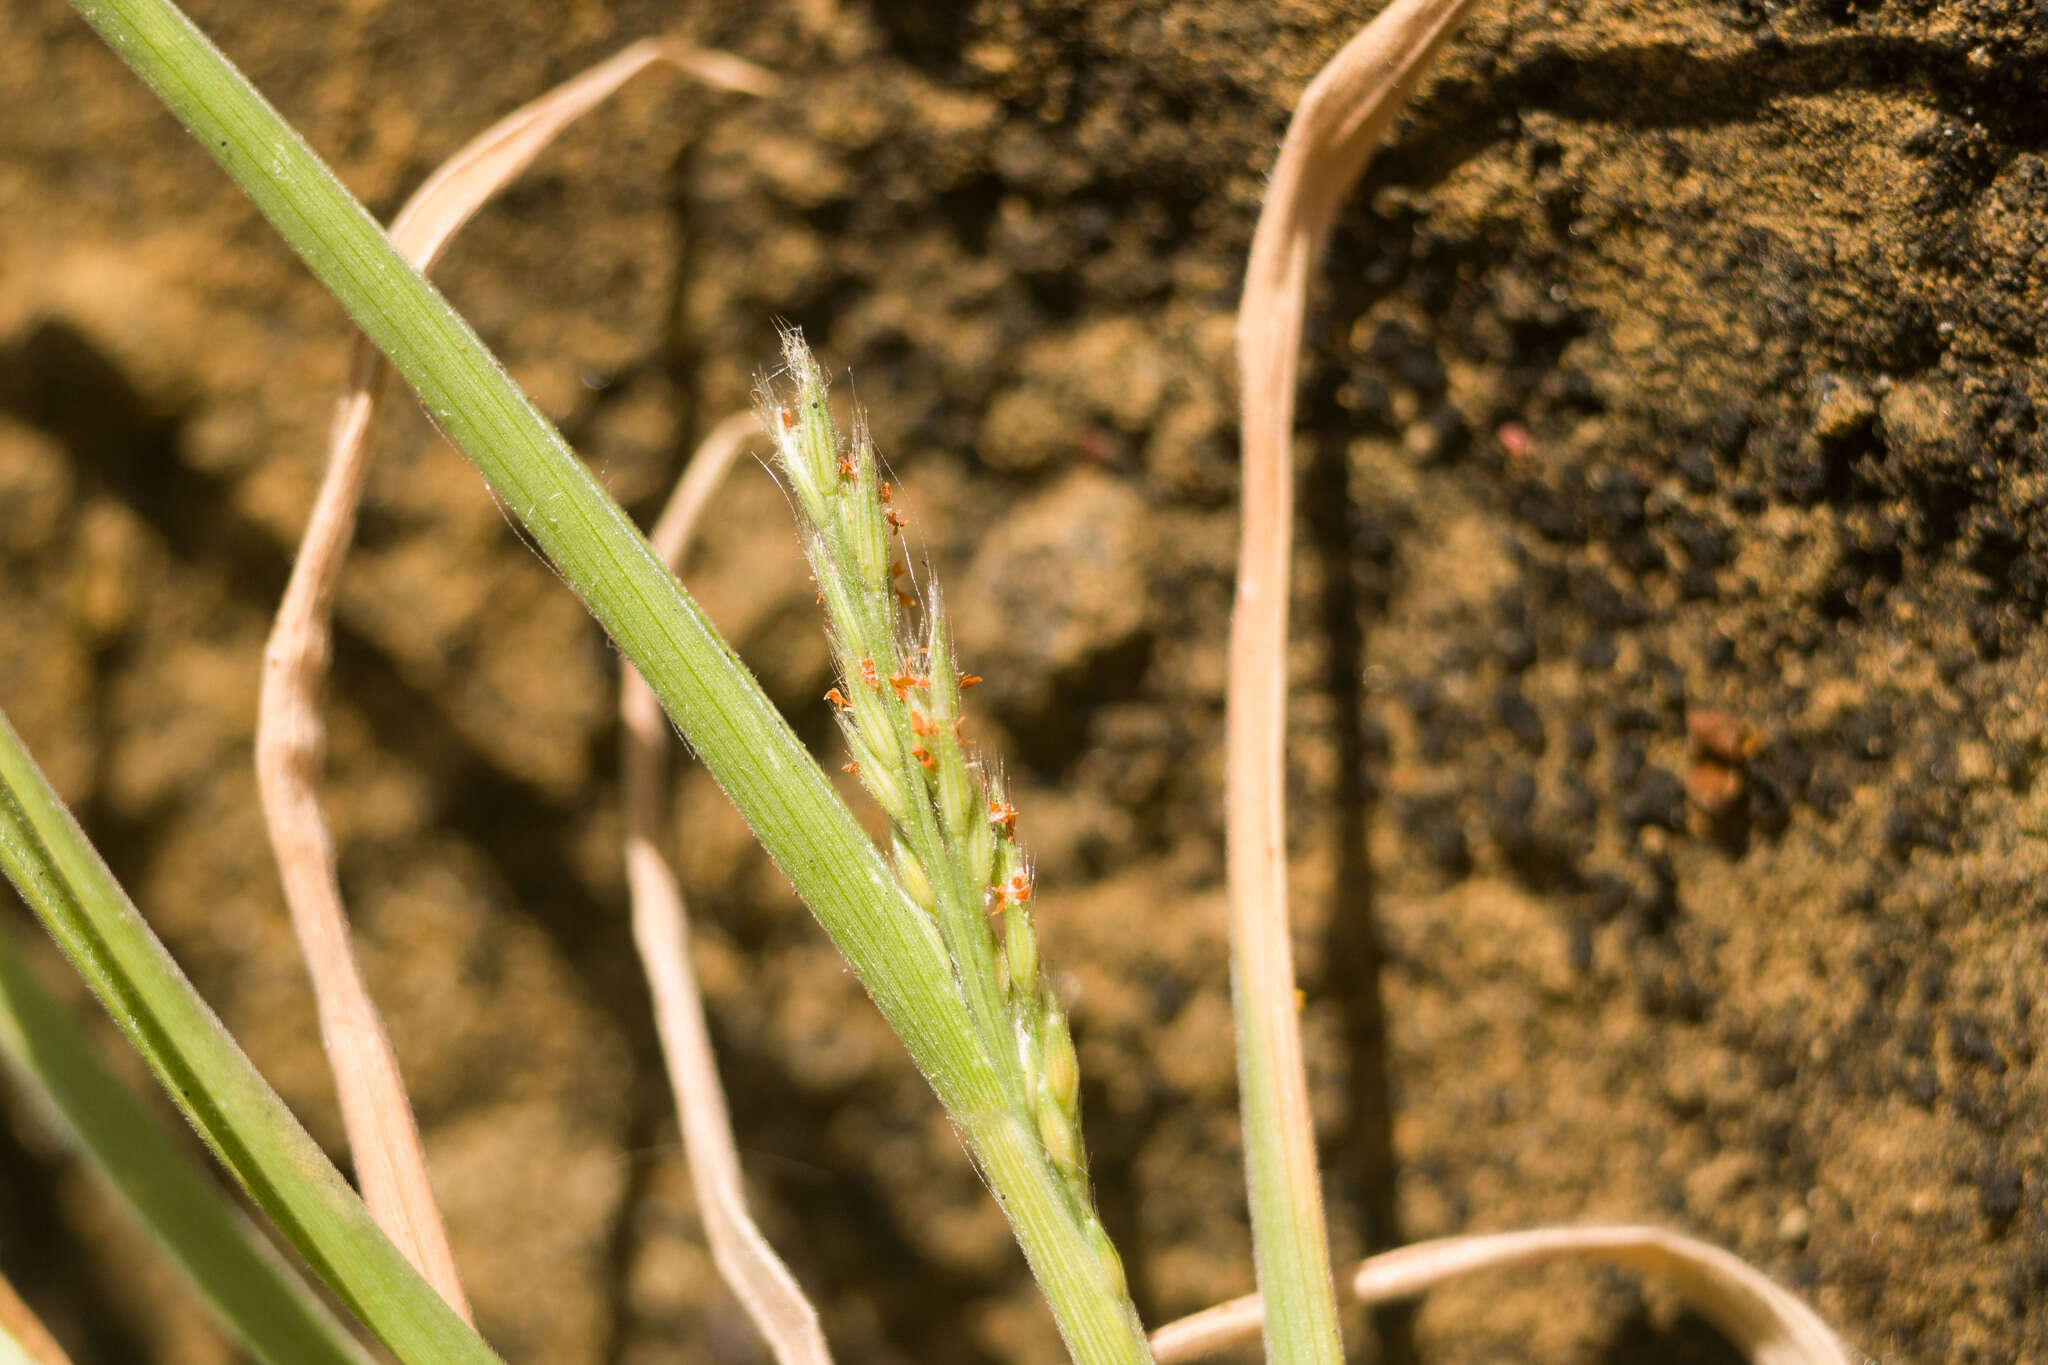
column 290, row 737
column 1763, row 1320
column 661, row 932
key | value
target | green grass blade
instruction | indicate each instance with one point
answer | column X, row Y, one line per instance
column 254, row 1293
column 719, row 707
column 60, row 875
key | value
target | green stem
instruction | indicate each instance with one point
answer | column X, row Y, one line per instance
column 723, row 713
column 251, row 1289
column 1084, row 1284
column 241, row 1118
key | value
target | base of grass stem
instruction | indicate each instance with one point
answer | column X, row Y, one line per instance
column 1074, row 1262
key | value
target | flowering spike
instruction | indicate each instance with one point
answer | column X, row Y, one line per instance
column 953, row 830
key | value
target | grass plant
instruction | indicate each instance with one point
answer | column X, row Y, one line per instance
column 939, row 925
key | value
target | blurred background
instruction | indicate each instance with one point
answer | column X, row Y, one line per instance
column 1668, row 705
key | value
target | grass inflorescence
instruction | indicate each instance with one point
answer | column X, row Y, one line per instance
column 953, row 832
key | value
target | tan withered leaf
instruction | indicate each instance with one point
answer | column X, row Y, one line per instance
column 1763, row 1320
column 661, row 931
column 290, row 737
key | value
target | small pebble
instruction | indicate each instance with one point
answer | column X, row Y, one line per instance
column 1795, row 1226
column 1841, row 409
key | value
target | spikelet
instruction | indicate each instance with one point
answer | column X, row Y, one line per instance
column 953, row 838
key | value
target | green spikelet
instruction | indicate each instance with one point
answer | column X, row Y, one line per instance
column 804, row 440
column 863, row 516
column 1056, row 1134
column 911, row 873
column 953, row 831
column 959, row 793
column 1105, row 1254
column 978, row 852
column 1020, row 950
column 1062, row 1066
column 879, row 776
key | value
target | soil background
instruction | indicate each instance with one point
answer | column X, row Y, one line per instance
column 1675, row 358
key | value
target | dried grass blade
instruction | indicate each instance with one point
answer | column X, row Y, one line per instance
column 1763, row 1320
column 290, row 737
column 1340, row 117
column 1759, row 1317
column 466, row 181
column 23, row 1338
column 661, row 931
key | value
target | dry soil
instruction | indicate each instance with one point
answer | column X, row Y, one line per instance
column 1675, row 367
